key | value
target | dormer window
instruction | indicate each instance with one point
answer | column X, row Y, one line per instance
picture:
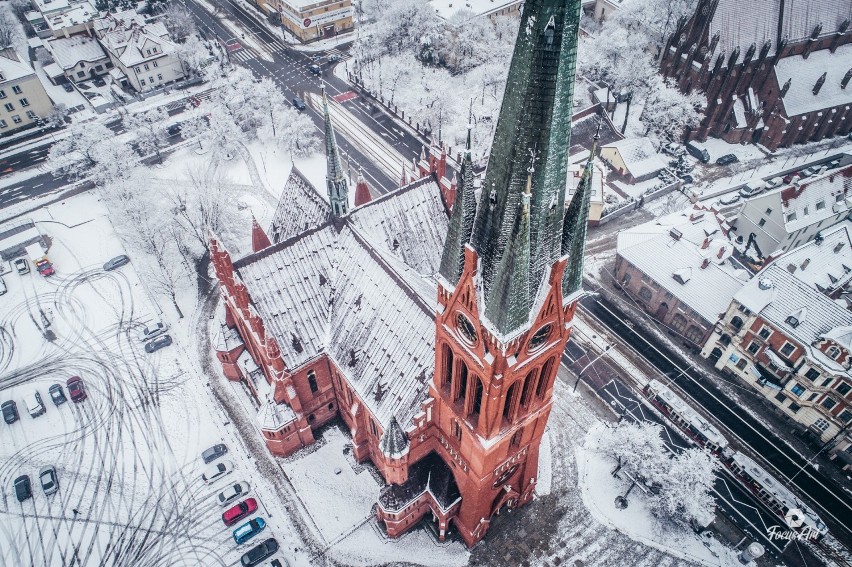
column 792, row 321
column 833, row 352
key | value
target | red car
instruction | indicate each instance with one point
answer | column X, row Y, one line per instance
column 240, row 511
column 44, row 267
column 76, row 389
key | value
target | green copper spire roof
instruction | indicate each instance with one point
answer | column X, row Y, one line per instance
column 461, row 220
column 576, row 225
column 508, row 305
column 535, row 118
column 335, row 181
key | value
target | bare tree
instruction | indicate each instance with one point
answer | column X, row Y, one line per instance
column 150, row 129
column 178, row 21
column 91, row 151
column 201, row 207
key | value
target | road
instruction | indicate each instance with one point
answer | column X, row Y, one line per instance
column 831, row 502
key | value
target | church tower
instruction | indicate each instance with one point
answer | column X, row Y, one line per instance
column 335, row 180
column 510, row 279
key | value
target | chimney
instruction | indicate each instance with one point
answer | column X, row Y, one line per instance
column 721, row 252
column 838, row 247
column 805, row 263
column 819, row 84
column 705, row 263
column 786, row 87
column 706, row 243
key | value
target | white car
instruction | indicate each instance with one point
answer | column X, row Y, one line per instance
column 34, row 404
column 216, row 471
column 233, row 492
column 729, row 199
column 152, row 331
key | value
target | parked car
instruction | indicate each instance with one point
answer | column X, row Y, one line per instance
column 774, row 182
column 56, row 394
column 791, row 177
column 213, row 453
column 248, row 530
column 687, row 179
column 3, row 288
column 698, row 152
column 44, row 267
column 49, row 483
column 236, row 513
column 156, row 344
column 116, row 262
column 729, row 199
column 213, row 473
column 233, row 492
column 727, row 159
column 174, row 129
column 10, row 412
column 152, row 331
column 35, row 406
column 23, row 488
column 752, row 188
column 809, row 171
column 69, row 88
column 299, row 103
column 259, row 552
column 279, row 562
column 315, row 69
column 22, row 266
column 673, row 149
column 76, row 389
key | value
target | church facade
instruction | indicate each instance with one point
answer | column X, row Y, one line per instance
column 430, row 321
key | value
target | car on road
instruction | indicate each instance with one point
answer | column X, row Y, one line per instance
column 49, row 483
column 3, row 288
column 152, row 331
column 242, row 510
column 10, row 412
column 23, row 488
column 56, row 394
column 315, row 69
column 727, row 159
column 213, row 473
column 156, row 344
column 248, row 530
column 76, row 389
column 69, row 88
column 233, row 492
column 333, row 58
column 259, row 552
column 22, row 266
column 35, row 406
column 299, row 104
column 729, row 199
column 117, row 262
column 214, row 452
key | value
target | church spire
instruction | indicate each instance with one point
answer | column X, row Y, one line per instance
column 535, row 117
column 335, row 180
column 362, row 191
column 461, row 219
column 575, row 225
column 259, row 239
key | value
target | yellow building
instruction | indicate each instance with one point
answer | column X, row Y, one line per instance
column 311, row 20
column 23, row 99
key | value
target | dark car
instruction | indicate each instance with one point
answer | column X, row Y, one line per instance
column 259, row 552
column 279, row 563
column 727, row 159
column 299, row 103
column 99, row 82
column 697, row 152
column 69, row 88
column 173, row 130
column 10, row 412
column 116, row 262
column 56, row 394
column 687, row 179
column 214, row 453
column 24, row 490
column 315, row 69
column 76, row 389
column 158, row 343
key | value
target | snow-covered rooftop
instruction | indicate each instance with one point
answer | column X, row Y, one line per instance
column 823, row 266
column 74, row 16
column 13, row 70
column 69, row 51
column 804, row 74
column 639, row 156
column 449, row 8
column 300, row 207
column 135, row 45
column 665, row 247
column 817, row 199
column 686, row 412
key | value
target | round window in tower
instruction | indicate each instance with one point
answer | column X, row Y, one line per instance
column 466, row 328
column 540, row 337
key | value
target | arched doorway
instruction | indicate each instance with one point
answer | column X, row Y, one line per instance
column 715, row 355
column 662, row 311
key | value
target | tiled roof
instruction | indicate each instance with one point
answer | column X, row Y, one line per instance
column 804, row 74
column 652, row 248
column 826, row 265
column 300, row 208
column 639, row 156
column 327, row 291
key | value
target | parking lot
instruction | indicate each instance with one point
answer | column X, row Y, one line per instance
column 127, row 457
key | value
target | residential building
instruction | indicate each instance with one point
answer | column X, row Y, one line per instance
column 311, row 20
column 775, row 72
column 788, row 334
column 634, row 159
column 452, row 10
column 23, row 100
column 62, row 18
column 604, row 9
column 80, row 58
column 143, row 55
column 781, row 219
column 595, row 186
column 433, row 332
column 679, row 269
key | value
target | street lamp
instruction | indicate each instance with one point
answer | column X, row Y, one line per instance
column 594, row 360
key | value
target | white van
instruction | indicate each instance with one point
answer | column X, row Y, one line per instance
column 34, row 404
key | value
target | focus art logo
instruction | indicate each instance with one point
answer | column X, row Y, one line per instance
column 795, row 520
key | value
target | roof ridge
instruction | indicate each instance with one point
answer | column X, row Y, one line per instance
column 254, row 256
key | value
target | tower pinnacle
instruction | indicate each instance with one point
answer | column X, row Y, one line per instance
column 335, row 180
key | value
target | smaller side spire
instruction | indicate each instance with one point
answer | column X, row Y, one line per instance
column 461, row 219
column 259, row 239
column 335, row 180
column 362, row 191
column 394, row 441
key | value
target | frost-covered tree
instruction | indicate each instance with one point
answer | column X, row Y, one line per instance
column 150, row 130
column 637, row 448
column 195, row 125
column 403, row 24
column 201, row 206
column 91, row 151
column 656, row 19
column 178, row 21
column 668, row 111
column 194, row 55
column 467, row 41
column 686, row 491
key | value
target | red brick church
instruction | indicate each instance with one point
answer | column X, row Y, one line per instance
column 430, row 321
